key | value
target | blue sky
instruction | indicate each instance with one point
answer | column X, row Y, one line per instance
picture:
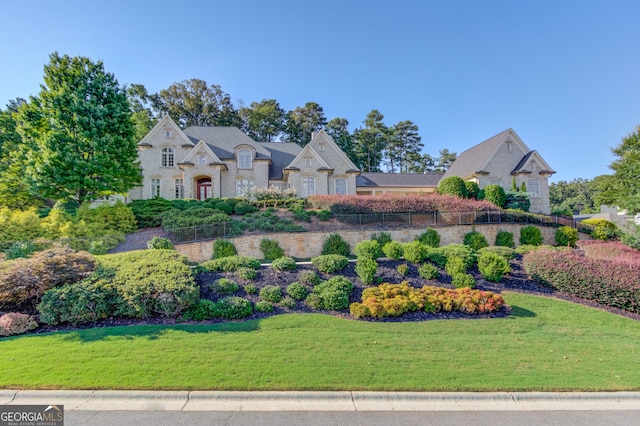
column 563, row 74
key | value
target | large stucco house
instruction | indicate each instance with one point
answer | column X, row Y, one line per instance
column 204, row 162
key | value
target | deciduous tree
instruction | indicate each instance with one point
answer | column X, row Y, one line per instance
column 302, row 122
column 263, row 121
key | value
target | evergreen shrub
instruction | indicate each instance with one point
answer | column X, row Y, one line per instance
column 566, row 236
column 393, row 250
column 430, row 238
column 531, row 235
column 271, row 293
column 505, row 239
column 223, row 248
column 493, row 266
column 475, row 240
column 284, row 264
column 330, row 263
column 366, row 269
column 335, row 244
column 271, row 249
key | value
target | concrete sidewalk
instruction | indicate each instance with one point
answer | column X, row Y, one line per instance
column 323, row 401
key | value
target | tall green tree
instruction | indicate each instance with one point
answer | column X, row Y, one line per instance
column 338, row 129
column 302, row 122
column 626, row 177
column 78, row 136
column 263, row 121
column 14, row 192
column 445, row 160
column 144, row 117
column 370, row 142
column 194, row 103
column 420, row 163
column 403, row 141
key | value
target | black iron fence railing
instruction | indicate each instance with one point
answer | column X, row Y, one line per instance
column 379, row 221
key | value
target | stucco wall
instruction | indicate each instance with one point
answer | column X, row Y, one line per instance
column 309, row 244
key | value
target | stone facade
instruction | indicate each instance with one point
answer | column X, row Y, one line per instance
column 309, row 244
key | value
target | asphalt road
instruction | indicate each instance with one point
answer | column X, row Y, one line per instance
column 361, row 418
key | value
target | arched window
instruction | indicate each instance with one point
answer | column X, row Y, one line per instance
column 244, row 159
column 168, row 155
column 341, row 186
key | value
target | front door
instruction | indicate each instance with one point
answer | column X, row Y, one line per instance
column 203, row 187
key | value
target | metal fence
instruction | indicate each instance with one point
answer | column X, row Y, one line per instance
column 379, row 221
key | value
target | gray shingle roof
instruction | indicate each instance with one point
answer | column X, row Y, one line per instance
column 470, row 161
column 409, row 180
column 223, row 140
column 282, row 153
column 522, row 163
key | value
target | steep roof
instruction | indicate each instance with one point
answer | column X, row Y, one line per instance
column 224, row 140
column 472, row 160
column 282, row 153
column 409, row 180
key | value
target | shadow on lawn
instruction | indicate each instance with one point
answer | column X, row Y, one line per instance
column 155, row 331
column 519, row 312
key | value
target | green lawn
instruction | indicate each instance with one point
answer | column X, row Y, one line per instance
column 546, row 345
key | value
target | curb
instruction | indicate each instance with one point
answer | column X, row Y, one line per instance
column 103, row 400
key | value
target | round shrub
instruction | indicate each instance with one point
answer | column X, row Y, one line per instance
column 517, row 201
column 159, row 243
column 393, row 250
column 455, row 265
column 428, row 271
column 463, row 280
column 506, row 252
column 381, row 237
column 369, row 249
column 495, row 194
column 283, row 264
column 415, row 252
column 224, row 286
column 234, row 307
column 335, row 244
column 493, row 267
column 465, row 253
column 332, row 294
column 472, row 190
column 247, row 273
column 251, row 289
column 531, row 235
column 566, row 236
column 271, row 293
column 366, row 269
column 263, row 306
column 309, row 278
column 203, row 310
column 288, row 303
column 475, row 240
column 231, row 263
column 223, row 248
column 453, row 185
column 602, row 229
column 430, row 238
column 271, row 249
column 242, row 208
column 297, row 291
column 330, row 263
column 437, row 256
column 403, row 269
column 505, row 239
column 224, row 207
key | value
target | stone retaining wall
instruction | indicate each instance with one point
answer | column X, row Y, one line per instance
column 309, row 244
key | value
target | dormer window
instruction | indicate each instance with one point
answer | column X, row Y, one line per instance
column 202, row 159
column 245, row 158
column 167, row 134
column 168, row 156
column 307, row 162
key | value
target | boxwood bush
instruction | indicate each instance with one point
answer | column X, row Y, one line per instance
column 223, row 248
column 531, row 235
column 231, row 263
column 234, row 307
column 271, row 293
column 415, row 252
column 475, row 240
column 284, row 264
column 335, row 244
column 332, row 295
column 428, row 271
column 271, row 249
column 369, row 249
column 297, row 291
column 493, row 266
column 393, row 250
column 505, row 239
column 366, row 269
column 329, row 263
column 430, row 238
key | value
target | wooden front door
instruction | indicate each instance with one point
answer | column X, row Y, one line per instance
column 203, row 188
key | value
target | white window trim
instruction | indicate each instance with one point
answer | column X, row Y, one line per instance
column 156, row 189
column 244, row 185
column 202, row 159
column 305, row 186
column 179, row 186
column 242, row 158
column 536, row 193
column 167, row 134
column 168, row 158
column 345, row 186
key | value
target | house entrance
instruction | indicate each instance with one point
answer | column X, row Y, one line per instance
column 203, row 188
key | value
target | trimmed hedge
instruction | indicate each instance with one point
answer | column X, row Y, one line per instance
column 330, row 263
column 231, row 263
column 331, row 295
column 609, row 282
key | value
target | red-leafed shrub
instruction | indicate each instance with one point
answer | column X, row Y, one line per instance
column 609, row 282
column 16, row 323
column 613, row 250
column 392, row 300
column 355, row 204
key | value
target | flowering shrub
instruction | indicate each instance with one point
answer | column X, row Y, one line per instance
column 16, row 323
column 609, row 282
column 353, row 204
column 392, row 300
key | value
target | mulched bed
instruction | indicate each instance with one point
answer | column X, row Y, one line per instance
column 517, row 281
